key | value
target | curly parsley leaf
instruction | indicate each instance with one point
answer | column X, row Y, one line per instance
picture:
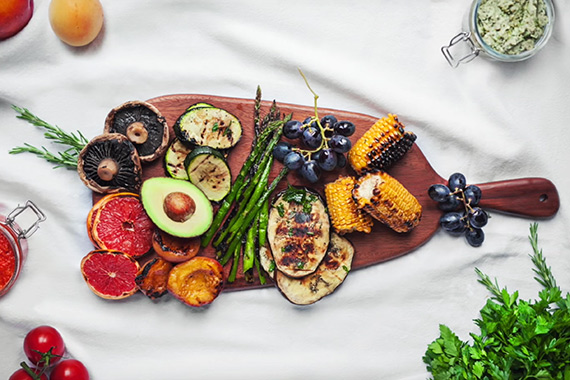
column 518, row 339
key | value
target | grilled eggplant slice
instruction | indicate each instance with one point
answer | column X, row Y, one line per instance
column 298, row 231
column 329, row 275
column 266, row 260
column 208, row 126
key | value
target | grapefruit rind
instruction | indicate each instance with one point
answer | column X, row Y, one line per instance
column 136, row 228
column 110, row 274
column 97, row 206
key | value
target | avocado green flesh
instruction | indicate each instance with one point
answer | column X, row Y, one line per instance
column 153, row 193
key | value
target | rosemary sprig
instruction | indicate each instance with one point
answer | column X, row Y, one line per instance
column 542, row 270
column 74, row 141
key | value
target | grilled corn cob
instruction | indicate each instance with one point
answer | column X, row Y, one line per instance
column 388, row 201
column 381, row 146
column 345, row 216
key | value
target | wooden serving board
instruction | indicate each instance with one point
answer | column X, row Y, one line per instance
column 529, row 197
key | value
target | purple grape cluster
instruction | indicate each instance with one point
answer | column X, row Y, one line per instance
column 323, row 144
column 461, row 205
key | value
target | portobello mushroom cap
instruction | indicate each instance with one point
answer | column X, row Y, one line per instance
column 109, row 163
column 144, row 126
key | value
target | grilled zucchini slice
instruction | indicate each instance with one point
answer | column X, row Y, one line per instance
column 174, row 159
column 208, row 170
column 208, row 126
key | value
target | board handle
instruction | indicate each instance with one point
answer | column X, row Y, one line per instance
column 530, row 197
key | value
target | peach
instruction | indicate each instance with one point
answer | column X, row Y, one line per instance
column 76, row 22
column 14, row 16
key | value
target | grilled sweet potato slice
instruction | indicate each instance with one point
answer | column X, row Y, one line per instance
column 196, row 282
column 174, row 249
column 153, row 278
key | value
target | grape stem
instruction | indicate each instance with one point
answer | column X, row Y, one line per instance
column 466, row 204
column 324, row 142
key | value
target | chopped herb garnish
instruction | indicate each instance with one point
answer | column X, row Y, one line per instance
column 345, row 268
column 301, row 197
column 215, row 127
column 281, row 210
column 300, row 265
column 271, row 266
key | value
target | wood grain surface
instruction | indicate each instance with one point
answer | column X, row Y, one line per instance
column 527, row 197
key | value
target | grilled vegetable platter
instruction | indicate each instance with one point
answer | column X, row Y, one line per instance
column 198, row 194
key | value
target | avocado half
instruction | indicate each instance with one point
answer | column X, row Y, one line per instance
column 176, row 206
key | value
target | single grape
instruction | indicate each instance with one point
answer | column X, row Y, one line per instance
column 340, row 160
column 310, row 171
column 451, row 221
column 345, row 128
column 282, row 148
column 438, row 192
column 328, row 121
column 293, row 160
column 340, row 143
column 472, row 195
column 452, row 202
column 461, row 228
column 456, row 181
column 312, row 137
column 310, row 122
column 293, row 129
column 478, row 217
column 475, row 236
column 327, row 160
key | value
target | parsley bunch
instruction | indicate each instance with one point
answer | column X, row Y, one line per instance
column 518, row 339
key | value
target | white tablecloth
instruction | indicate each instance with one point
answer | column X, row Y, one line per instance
column 489, row 120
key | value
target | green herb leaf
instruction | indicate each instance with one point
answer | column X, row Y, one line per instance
column 74, row 142
column 517, row 340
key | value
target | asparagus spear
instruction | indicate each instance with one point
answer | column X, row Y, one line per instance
column 263, row 222
column 238, row 218
column 256, row 181
column 251, row 213
column 238, row 183
column 249, row 249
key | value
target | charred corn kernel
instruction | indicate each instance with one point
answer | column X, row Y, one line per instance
column 388, row 201
column 381, row 146
column 345, row 216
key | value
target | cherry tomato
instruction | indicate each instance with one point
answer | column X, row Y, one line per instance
column 41, row 340
column 21, row 374
column 69, row 369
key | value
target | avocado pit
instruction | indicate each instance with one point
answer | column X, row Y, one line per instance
column 179, row 206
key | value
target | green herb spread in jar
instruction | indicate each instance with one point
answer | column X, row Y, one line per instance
column 511, row 26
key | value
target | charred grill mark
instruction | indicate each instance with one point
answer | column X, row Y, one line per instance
column 314, row 285
column 296, row 252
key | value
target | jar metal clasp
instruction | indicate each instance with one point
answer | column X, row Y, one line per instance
column 24, row 233
column 467, row 49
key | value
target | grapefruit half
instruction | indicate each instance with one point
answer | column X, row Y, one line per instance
column 110, row 274
column 119, row 222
